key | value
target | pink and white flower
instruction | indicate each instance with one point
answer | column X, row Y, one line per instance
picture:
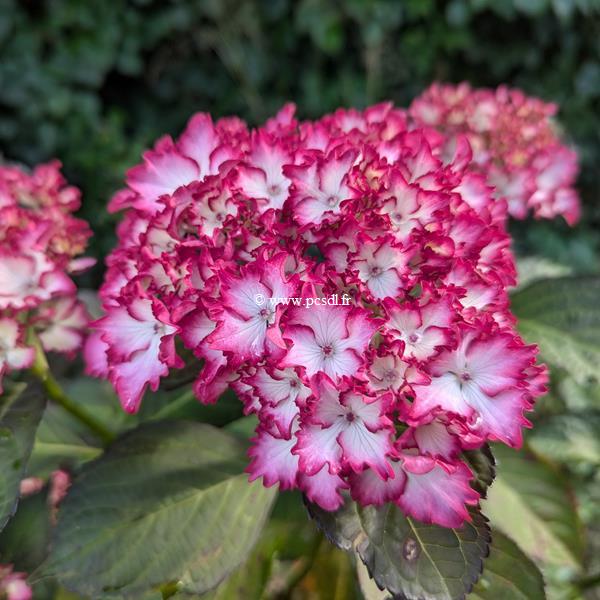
column 345, row 429
column 14, row 355
column 328, row 339
column 248, row 318
column 482, row 382
column 320, row 186
column 262, row 178
column 382, row 265
column 421, row 330
column 141, row 347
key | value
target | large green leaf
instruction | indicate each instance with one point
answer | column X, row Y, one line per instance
column 408, row 558
column 168, row 502
column 508, row 574
column 530, row 501
column 562, row 316
column 20, row 411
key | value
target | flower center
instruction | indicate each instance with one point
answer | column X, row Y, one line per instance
column 332, row 200
column 274, row 190
column 350, row 417
column 390, row 375
column 397, row 216
column 375, row 270
column 327, row 350
column 159, row 328
column 413, row 338
column 265, row 313
column 220, row 217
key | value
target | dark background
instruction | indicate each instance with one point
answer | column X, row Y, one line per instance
column 94, row 82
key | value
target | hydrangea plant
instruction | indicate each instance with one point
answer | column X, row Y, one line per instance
column 348, row 278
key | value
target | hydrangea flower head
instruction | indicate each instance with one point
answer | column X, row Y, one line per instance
column 515, row 144
column 348, row 278
column 40, row 244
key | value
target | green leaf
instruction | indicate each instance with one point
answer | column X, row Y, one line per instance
column 577, row 397
column 20, row 411
column 24, row 541
column 408, row 558
column 562, row 316
column 571, row 437
column 530, row 501
column 182, row 404
column 508, row 574
column 286, row 547
column 535, row 268
column 483, row 465
column 62, row 441
column 168, row 502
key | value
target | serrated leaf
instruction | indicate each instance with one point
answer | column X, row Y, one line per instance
column 368, row 587
column 21, row 409
column 483, row 465
column 168, row 502
column 409, row 559
column 530, row 501
column 561, row 316
column 508, row 574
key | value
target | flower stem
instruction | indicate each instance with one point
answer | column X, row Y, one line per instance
column 55, row 392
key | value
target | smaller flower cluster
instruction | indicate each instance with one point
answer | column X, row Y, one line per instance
column 40, row 241
column 376, row 398
column 13, row 586
column 514, row 141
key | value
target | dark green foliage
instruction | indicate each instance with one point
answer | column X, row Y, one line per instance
column 407, row 558
column 167, row 502
column 94, row 82
column 21, row 408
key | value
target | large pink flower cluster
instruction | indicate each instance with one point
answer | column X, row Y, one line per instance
column 514, row 141
column 348, row 279
column 40, row 241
